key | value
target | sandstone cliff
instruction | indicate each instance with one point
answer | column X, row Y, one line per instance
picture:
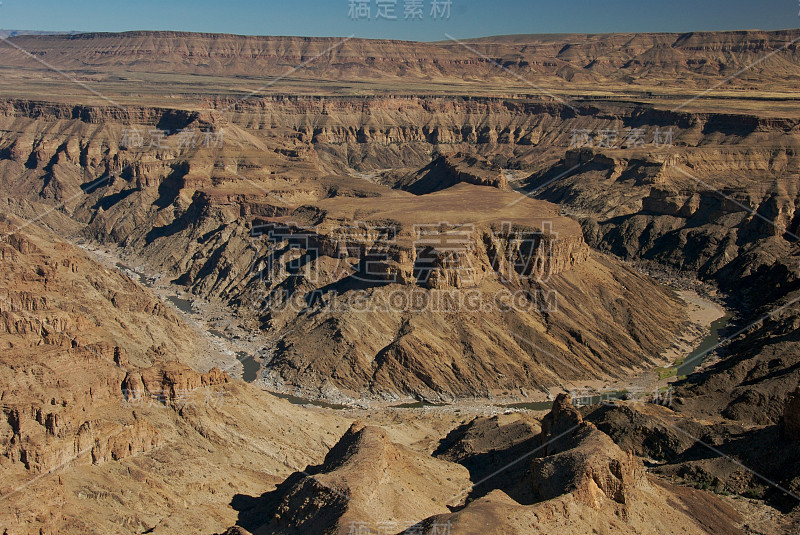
column 101, row 406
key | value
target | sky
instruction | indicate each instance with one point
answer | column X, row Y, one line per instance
column 460, row 19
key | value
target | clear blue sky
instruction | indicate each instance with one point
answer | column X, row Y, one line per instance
column 468, row 18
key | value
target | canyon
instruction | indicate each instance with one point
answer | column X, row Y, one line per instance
column 464, row 293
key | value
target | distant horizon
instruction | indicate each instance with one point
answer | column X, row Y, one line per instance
column 33, row 33
column 402, row 20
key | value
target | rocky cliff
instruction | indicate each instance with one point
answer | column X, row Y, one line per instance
column 100, row 405
column 194, row 211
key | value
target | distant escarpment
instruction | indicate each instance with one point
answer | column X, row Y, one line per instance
column 639, row 60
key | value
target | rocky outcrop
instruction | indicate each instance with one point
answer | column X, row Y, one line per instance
column 365, row 480
column 645, row 430
column 432, row 252
column 447, row 171
column 578, row 458
column 580, row 481
column 595, row 472
column 169, row 382
column 559, row 423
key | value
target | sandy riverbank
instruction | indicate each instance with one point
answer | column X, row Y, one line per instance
column 701, row 313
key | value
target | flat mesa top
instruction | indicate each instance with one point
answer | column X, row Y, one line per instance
column 462, row 204
column 187, row 70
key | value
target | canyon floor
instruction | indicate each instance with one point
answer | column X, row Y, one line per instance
column 520, row 284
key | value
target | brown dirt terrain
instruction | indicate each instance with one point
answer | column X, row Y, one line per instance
column 105, row 425
column 577, row 480
column 116, row 420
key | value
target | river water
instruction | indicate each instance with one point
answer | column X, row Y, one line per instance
column 701, row 352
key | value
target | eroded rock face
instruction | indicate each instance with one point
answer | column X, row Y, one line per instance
column 60, row 313
column 133, row 439
column 194, row 220
column 365, row 480
column 78, row 424
column 447, row 171
column 404, row 244
column 168, row 382
column 581, row 482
